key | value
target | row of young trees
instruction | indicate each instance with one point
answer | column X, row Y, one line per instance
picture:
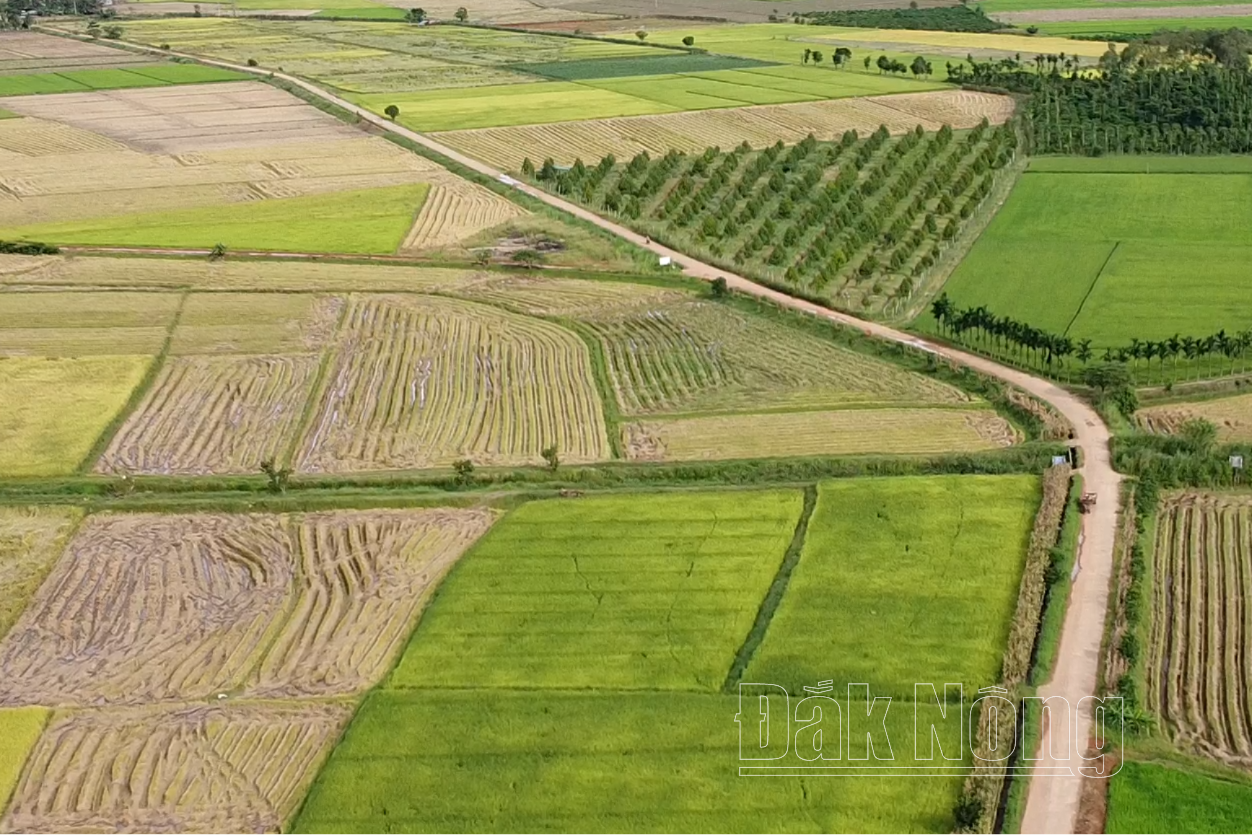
column 1038, row 348
column 861, row 217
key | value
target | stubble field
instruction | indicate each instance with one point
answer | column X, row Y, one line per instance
column 1231, row 415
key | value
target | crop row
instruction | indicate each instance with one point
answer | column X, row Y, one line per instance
column 859, row 221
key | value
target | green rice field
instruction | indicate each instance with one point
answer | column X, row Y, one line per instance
column 19, row 731
column 367, row 222
column 1115, row 256
column 619, row 593
column 1158, row 798
column 569, row 673
column 903, row 580
column 77, row 81
column 1143, row 26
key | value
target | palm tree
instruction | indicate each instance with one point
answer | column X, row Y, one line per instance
column 1083, row 351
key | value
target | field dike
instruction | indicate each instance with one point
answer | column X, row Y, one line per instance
column 773, row 597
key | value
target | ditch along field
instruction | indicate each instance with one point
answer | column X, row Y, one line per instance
column 1196, row 665
column 1097, row 247
column 237, row 163
column 1231, row 415
column 333, row 381
column 591, row 648
column 271, row 615
column 858, row 223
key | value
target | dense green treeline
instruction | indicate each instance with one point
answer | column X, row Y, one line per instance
column 946, row 19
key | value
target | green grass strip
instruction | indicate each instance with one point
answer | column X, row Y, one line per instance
column 136, row 396
column 774, row 596
column 1056, row 598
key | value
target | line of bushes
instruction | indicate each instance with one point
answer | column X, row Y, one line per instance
column 27, row 248
column 943, row 18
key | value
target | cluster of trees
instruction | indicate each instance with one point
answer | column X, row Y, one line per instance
column 1143, row 100
column 19, row 14
column 842, row 56
column 1036, row 347
column 947, row 18
column 866, row 216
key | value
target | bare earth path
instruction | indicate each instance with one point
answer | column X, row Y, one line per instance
column 1052, row 804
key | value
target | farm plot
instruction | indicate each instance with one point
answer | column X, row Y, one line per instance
column 653, row 591
column 593, row 762
column 424, row 382
column 1231, row 415
column 184, row 607
column 25, row 51
column 860, row 222
column 686, row 356
column 454, row 212
column 232, row 768
column 903, row 580
column 1167, row 797
column 30, row 541
column 1196, row 665
column 239, row 275
column 76, row 324
column 115, row 78
column 228, row 163
column 55, row 409
column 1089, row 269
column 844, row 432
column 592, row 139
column 20, row 728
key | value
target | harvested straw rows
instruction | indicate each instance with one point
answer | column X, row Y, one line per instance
column 235, row 768
column 1231, row 415
column 694, row 356
column 150, row 608
column 362, row 579
column 25, row 50
column 844, row 432
column 572, row 297
column 454, row 212
column 30, row 541
column 1198, row 667
column 428, row 381
column 692, row 132
column 221, row 414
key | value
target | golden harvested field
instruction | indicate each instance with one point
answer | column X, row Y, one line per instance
column 20, row 728
column 31, row 538
column 965, row 42
column 83, row 156
column 255, row 323
column 147, row 608
column 695, row 356
column 216, row 414
column 1231, row 415
column 758, row 126
column 424, row 381
column 844, row 432
column 456, row 211
column 55, row 409
column 21, row 271
column 540, row 296
column 223, row 768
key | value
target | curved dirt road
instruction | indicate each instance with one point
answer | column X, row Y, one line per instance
column 1052, row 803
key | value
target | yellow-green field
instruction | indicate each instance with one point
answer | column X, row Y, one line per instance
column 20, row 728
column 31, row 538
column 56, row 408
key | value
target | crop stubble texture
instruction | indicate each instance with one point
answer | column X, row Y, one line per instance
column 1197, row 667
column 148, row 608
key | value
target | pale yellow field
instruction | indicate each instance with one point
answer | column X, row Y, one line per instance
column 199, row 274
column 31, row 538
column 455, row 211
column 692, row 132
column 1231, row 415
column 55, row 409
column 74, row 324
column 1025, row 44
column 255, row 323
column 847, row 432
column 20, row 728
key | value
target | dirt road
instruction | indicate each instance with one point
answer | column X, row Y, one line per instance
column 1052, row 804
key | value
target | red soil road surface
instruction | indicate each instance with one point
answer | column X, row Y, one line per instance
column 1052, row 803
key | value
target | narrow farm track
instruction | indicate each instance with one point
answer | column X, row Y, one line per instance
column 1052, row 804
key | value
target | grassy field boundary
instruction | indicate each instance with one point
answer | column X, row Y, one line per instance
column 1056, row 598
column 773, row 597
column 136, row 396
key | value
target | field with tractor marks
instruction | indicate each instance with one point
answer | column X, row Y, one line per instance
column 236, row 163
column 31, row 539
column 179, row 608
column 1196, row 666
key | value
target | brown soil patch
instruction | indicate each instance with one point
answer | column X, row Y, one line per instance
column 186, row 118
column 22, row 52
column 1094, row 801
column 147, row 608
column 228, row 768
